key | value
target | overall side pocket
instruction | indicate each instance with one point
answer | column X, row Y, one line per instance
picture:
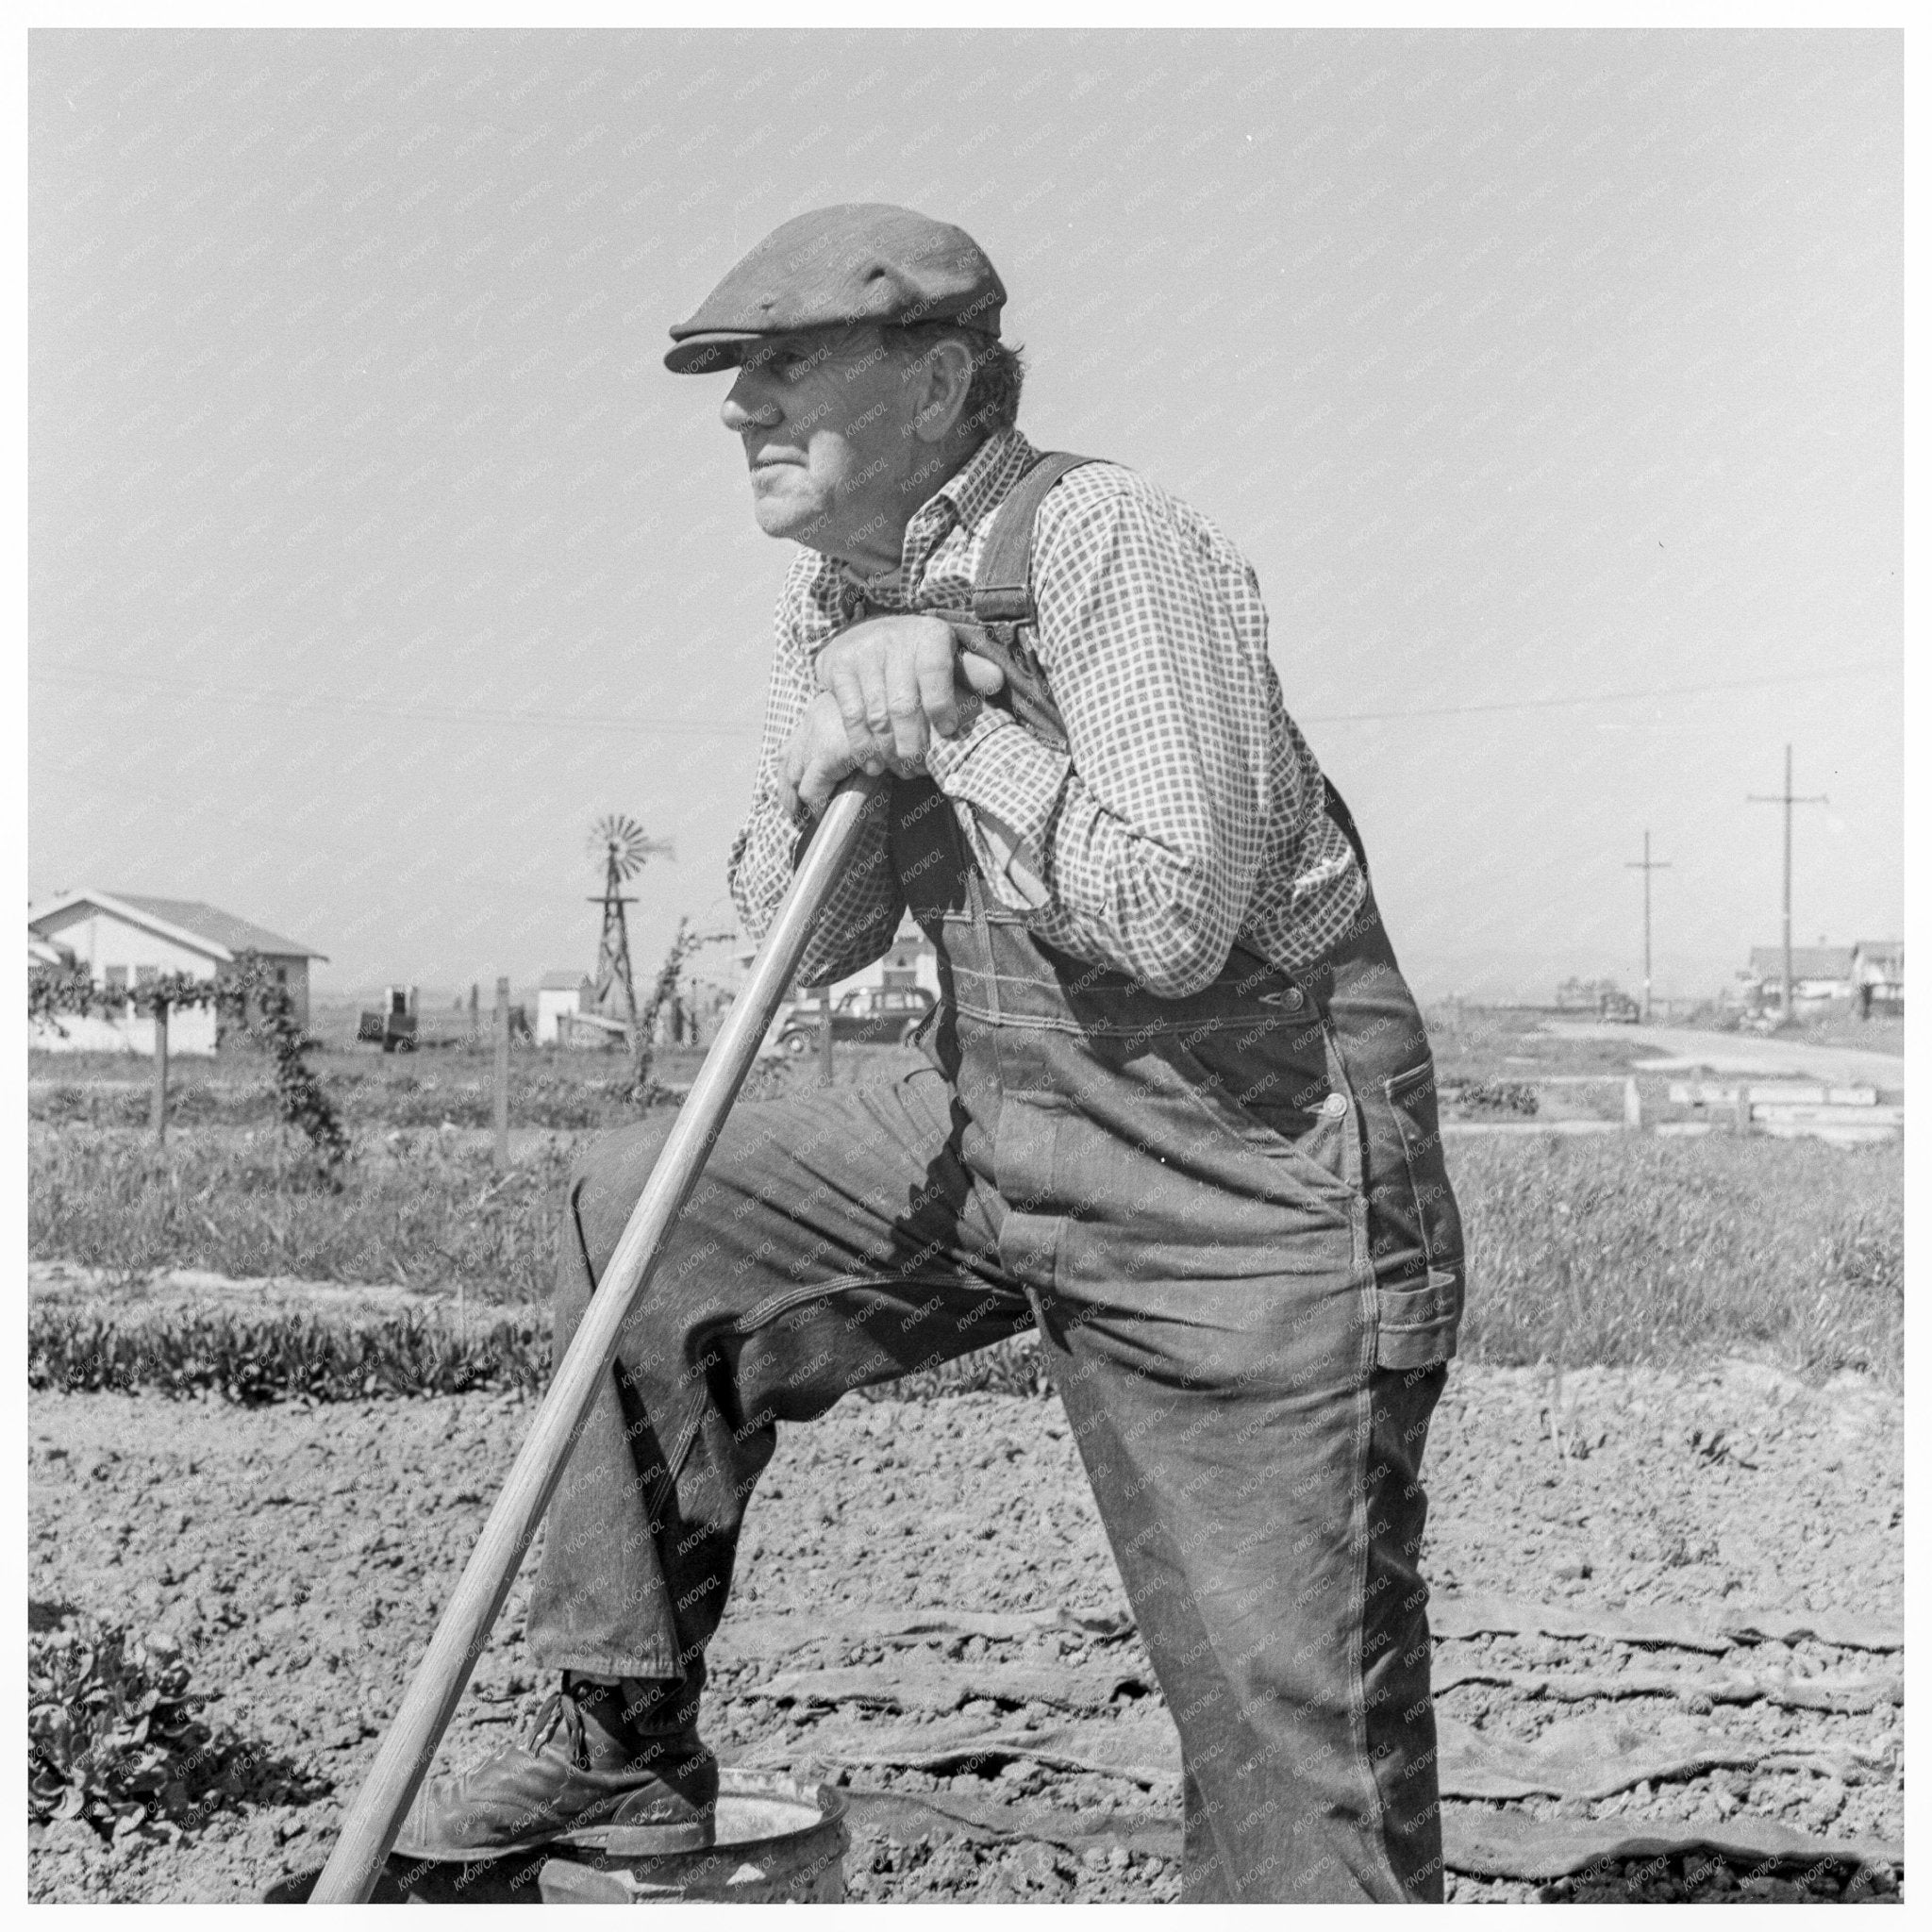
column 1420, row 1307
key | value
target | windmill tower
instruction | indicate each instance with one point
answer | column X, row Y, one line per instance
column 619, row 840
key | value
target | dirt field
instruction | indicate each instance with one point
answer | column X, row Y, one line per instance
column 299, row 1555
column 1629, row 1563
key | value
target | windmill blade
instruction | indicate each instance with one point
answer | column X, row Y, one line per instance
column 622, row 845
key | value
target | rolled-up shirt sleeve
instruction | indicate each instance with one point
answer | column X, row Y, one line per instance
column 864, row 909
column 1138, row 844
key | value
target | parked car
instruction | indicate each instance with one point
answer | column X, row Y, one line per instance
column 869, row 1015
column 1620, row 1008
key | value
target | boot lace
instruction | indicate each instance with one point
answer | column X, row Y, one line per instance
column 557, row 1709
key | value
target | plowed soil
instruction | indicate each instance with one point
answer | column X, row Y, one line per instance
column 300, row 1556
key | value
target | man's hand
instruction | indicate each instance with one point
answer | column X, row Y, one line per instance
column 896, row 680
column 819, row 755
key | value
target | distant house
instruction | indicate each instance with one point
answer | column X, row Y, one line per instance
column 1818, row 973
column 1878, row 973
column 127, row 938
column 910, row 961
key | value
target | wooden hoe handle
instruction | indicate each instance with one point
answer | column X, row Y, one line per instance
column 383, row 1802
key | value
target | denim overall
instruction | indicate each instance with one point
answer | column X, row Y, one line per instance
column 1228, row 1218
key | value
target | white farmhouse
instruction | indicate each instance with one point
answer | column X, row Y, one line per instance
column 910, row 961
column 128, row 940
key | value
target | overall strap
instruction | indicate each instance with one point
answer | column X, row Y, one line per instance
column 1003, row 601
column 1003, row 585
column 1337, row 809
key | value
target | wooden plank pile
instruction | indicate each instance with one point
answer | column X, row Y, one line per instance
column 1786, row 1108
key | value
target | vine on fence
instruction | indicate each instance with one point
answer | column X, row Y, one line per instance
column 55, row 991
column 684, row 942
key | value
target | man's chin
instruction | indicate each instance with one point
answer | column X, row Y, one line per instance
column 802, row 523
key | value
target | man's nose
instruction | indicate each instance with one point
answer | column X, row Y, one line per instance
column 749, row 404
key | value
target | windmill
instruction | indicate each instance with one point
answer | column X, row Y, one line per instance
column 620, row 843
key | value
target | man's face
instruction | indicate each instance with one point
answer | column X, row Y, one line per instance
column 826, row 420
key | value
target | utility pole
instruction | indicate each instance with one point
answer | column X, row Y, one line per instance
column 1646, row 865
column 1787, row 798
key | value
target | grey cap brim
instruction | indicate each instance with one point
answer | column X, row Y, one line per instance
column 705, row 355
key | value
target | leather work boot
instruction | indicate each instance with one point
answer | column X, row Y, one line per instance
column 607, row 1772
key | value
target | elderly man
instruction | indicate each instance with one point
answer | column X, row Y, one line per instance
column 1176, row 1110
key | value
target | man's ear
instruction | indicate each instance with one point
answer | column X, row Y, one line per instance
column 945, row 377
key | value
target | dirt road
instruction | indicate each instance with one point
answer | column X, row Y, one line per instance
column 921, row 1581
column 1748, row 1053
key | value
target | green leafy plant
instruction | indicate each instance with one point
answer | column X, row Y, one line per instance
column 1494, row 1097
column 114, row 1737
column 252, row 1360
column 54, row 991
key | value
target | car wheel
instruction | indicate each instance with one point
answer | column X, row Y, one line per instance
column 794, row 1043
column 909, row 1033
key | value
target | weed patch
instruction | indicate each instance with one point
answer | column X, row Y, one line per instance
column 418, row 1213
column 1625, row 1249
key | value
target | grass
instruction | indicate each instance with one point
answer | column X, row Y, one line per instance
column 418, row 1093
column 417, row 1212
column 1627, row 1249
column 1613, row 1249
column 566, row 1091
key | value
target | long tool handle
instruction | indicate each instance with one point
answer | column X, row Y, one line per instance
column 380, row 1806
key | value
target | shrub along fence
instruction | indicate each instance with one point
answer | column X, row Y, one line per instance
column 248, row 995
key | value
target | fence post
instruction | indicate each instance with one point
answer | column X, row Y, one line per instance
column 825, row 1037
column 1633, row 1105
column 158, row 1103
column 503, row 1073
column 1743, row 1106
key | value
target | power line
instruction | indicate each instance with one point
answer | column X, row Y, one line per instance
column 366, row 707
column 594, row 721
column 1602, row 697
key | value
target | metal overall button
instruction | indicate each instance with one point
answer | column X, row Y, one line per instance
column 1291, row 999
column 1335, row 1105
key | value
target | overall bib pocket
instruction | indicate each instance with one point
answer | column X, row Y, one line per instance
column 1272, row 1087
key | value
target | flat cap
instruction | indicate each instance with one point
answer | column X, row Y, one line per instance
column 861, row 261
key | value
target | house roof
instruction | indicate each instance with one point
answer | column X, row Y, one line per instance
column 562, row 981
column 1807, row 962
column 1882, row 952
column 206, row 928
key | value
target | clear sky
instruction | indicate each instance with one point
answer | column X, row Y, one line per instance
column 1553, row 382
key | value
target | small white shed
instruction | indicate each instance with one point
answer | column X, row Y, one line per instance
column 560, row 997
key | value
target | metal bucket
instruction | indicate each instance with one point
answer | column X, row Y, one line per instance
column 780, row 1842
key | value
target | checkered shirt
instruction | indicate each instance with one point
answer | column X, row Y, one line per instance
column 1187, row 811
